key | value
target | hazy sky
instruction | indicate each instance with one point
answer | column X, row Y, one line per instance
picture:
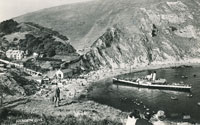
column 13, row 8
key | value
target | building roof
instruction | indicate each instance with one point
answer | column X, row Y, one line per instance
column 66, row 70
column 51, row 74
column 2, row 64
column 34, row 77
column 15, row 51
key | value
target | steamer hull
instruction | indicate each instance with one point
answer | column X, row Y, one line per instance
column 152, row 86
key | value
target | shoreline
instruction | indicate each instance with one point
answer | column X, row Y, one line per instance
column 119, row 71
column 74, row 104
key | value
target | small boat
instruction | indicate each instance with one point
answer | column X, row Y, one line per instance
column 186, row 117
column 174, row 98
column 184, row 77
column 198, row 103
column 147, row 113
column 189, row 95
column 174, row 115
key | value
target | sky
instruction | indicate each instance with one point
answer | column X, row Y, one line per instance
column 14, row 8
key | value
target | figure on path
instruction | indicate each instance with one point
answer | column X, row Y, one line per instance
column 57, row 96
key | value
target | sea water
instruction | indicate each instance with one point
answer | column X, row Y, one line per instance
column 127, row 98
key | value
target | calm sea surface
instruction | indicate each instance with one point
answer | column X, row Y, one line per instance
column 127, row 98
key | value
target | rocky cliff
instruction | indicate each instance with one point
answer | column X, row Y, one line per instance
column 165, row 32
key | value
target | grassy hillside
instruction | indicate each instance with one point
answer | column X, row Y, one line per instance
column 34, row 38
column 72, row 20
column 13, row 83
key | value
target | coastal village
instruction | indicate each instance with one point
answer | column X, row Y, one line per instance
column 20, row 56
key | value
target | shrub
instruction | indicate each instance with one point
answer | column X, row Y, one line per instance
column 9, row 26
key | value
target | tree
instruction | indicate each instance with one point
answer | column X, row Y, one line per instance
column 8, row 26
column 51, row 53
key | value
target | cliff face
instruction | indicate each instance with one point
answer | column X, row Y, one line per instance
column 161, row 33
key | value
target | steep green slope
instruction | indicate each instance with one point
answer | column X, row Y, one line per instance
column 74, row 20
column 34, row 38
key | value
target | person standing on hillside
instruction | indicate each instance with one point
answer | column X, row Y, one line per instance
column 57, row 96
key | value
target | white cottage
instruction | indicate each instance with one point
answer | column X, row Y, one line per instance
column 64, row 73
column 15, row 54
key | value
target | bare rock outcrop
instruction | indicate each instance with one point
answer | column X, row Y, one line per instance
column 166, row 32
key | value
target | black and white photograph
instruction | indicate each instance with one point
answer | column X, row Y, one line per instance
column 99, row 62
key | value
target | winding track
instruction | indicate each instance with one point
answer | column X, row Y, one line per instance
column 28, row 71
